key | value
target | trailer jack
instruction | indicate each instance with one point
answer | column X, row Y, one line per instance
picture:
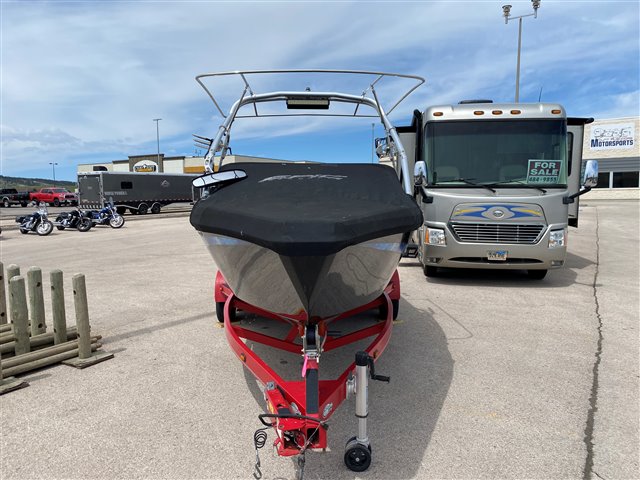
column 357, row 455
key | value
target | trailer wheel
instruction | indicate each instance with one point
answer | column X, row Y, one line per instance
column 142, row 209
column 357, row 457
column 6, row 203
column 395, row 304
column 220, row 312
column 536, row 274
column 155, row 208
column 121, row 210
column 430, row 271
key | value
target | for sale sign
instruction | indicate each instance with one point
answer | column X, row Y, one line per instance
column 543, row 171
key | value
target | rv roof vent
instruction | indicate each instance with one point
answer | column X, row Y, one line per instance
column 465, row 102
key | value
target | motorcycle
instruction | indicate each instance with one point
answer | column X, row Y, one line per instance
column 37, row 222
column 74, row 219
column 107, row 216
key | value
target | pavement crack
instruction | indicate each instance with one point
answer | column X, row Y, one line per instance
column 598, row 475
column 588, row 471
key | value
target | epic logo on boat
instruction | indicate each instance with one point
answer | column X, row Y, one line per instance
column 302, row 177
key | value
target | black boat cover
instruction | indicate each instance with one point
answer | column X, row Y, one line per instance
column 304, row 209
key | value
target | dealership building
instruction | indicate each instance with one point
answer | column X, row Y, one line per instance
column 160, row 163
column 614, row 143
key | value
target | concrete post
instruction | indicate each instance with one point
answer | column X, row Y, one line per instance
column 57, row 307
column 82, row 316
column 19, row 315
column 86, row 354
column 13, row 270
column 36, row 301
column 3, row 297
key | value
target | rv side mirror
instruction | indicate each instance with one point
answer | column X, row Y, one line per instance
column 590, row 178
column 382, row 149
column 419, row 172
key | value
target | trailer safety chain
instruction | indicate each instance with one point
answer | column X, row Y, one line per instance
column 259, row 440
column 300, row 467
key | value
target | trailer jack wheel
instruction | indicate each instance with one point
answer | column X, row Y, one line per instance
column 357, row 456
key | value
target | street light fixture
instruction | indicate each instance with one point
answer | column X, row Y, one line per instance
column 506, row 12
column 53, row 165
column 157, row 120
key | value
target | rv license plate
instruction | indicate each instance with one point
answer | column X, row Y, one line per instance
column 500, row 255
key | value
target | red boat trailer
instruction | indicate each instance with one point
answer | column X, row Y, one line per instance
column 299, row 410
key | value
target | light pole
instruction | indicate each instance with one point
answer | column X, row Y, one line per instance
column 506, row 11
column 53, row 165
column 157, row 120
column 373, row 125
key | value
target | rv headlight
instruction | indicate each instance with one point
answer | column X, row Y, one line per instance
column 558, row 238
column 434, row 236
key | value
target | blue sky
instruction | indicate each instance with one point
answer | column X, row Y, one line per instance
column 82, row 82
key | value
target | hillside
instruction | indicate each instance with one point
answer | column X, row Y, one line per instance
column 31, row 184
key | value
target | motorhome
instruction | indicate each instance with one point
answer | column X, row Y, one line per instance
column 498, row 184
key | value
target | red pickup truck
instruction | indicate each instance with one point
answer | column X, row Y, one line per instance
column 54, row 196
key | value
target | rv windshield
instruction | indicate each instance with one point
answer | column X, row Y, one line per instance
column 508, row 153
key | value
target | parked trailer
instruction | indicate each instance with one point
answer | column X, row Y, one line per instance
column 498, row 184
column 139, row 193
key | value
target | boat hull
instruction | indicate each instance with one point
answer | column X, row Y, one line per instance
column 306, row 287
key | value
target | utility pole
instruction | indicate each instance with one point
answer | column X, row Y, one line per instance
column 53, row 165
column 157, row 120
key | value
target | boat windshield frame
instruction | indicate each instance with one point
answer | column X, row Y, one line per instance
column 369, row 98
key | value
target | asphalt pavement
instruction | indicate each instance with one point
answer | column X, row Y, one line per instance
column 493, row 375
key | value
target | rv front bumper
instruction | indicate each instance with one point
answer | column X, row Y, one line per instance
column 445, row 250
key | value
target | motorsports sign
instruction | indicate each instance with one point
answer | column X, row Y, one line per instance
column 613, row 136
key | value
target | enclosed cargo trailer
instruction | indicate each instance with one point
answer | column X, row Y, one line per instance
column 139, row 193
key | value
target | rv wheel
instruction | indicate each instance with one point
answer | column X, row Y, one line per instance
column 430, row 271
column 536, row 274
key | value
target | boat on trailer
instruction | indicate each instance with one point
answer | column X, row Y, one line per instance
column 309, row 245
